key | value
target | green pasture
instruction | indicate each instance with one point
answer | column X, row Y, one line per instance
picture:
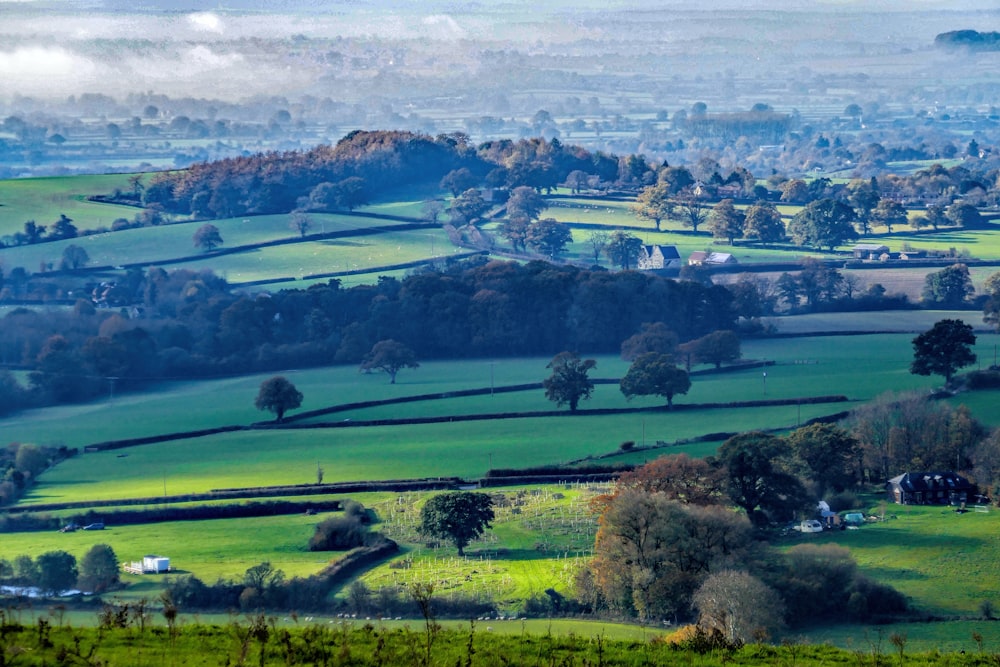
column 944, row 561
column 540, row 539
column 934, row 638
column 804, row 367
column 908, row 321
column 148, row 244
column 208, row 549
column 464, row 449
column 982, row 403
column 979, row 243
column 44, row 199
column 315, row 257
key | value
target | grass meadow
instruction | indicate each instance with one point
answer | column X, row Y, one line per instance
column 804, row 367
column 43, row 199
column 149, row 244
column 207, row 549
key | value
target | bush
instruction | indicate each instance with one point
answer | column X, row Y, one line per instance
column 339, row 533
column 984, row 379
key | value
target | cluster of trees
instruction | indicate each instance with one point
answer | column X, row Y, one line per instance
column 63, row 228
column 56, row 572
column 343, row 176
column 907, row 431
column 190, row 325
column 20, row 464
column 669, row 546
column 653, row 351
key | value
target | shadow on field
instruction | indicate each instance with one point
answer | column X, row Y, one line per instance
column 894, row 574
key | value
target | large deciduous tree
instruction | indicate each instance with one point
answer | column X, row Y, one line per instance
column 390, row 356
column 651, row 553
column 757, row 476
column 73, row 257
column 991, row 308
column 569, row 382
column 525, row 202
column 57, row 572
column 889, row 214
column 99, row 570
column 207, row 237
column 943, row 349
column 763, row 223
column 726, row 221
column 458, row 517
column 825, row 223
column 655, row 374
column 654, row 203
column 739, row 605
column 459, row 180
column 468, row 208
column 623, row 249
column 548, row 237
column 652, row 337
column 948, row 288
column 716, row 348
column 678, row 477
column 278, row 395
column 830, row 453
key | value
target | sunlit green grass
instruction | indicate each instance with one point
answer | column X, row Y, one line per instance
column 208, row 549
column 148, row 244
column 945, row 562
column 44, row 199
column 335, row 255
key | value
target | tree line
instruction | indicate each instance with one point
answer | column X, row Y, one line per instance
column 188, row 324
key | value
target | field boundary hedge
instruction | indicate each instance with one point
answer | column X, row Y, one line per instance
column 677, row 407
column 37, row 520
column 342, row 570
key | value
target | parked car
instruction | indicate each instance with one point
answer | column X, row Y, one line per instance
column 94, row 526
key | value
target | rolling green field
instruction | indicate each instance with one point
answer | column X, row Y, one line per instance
column 947, row 566
column 805, row 367
column 317, row 257
column 43, row 199
column 148, row 244
column 207, row 549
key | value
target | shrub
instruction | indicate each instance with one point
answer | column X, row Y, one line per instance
column 339, row 533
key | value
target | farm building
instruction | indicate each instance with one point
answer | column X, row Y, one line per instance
column 869, row 251
column 701, row 258
column 150, row 564
column 930, row 488
column 658, row 257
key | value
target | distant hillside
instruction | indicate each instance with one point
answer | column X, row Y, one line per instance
column 968, row 39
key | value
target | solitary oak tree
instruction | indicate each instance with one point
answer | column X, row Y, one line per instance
column 943, row 349
column 277, row 395
column 655, row 374
column 207, row 237
column 458, row 517
column 569, row 382
column 390, row 356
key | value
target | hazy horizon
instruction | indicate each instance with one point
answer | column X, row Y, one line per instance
column 238, row 49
